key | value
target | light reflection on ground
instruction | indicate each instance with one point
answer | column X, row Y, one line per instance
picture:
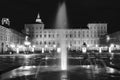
column 31, row 70
column 30, row 65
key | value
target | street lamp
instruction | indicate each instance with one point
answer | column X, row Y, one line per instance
column 108, row 38
column 27, row 43
column 12, row 45
column 58, row 50
column 84, row 50
column 33, row 48
column 54, row 46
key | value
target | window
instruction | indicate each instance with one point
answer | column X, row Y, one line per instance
column 87, row 35
column 49, row 35
column 36, row 36
column 40, row 42
column 40, row 35
column 40, row 27
column 66, row 35
column 44, row 35
column 49, row 43
column 44, row 42
column 78, row 35
column 70, row 35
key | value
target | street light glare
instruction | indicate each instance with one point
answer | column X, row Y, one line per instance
column 27, row 43
column 108, row 38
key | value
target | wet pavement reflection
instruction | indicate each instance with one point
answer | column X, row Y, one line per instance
column 38, row 67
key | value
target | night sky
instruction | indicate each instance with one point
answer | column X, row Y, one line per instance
column 80, row 12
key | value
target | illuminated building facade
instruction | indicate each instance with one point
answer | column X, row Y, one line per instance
column 9, row 36
column 74, row 38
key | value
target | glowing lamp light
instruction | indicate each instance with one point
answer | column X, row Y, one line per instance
column 33, row 49
column 110, row 70
column 20, row 46
column 69, row 46
column 46, row 58
column 27, row 43
column 54, row 46
column 33, row 46
column 42, row 50
column 46, row 46
column 96, row 45
column 12, row 45
column 108, row 38
column 88, row 45
column 58, row 50
column 100, row 50
column 112, row 45
column 17, row 50
column 84, row 49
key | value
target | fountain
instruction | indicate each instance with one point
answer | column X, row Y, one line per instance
column 61, row 23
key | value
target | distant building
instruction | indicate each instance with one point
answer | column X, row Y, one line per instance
column 74, row 38
column 9, row 36
column 113, row 38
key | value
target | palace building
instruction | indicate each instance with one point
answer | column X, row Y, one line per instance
column 74, row 38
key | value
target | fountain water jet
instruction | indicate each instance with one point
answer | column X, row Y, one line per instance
column 61, row 23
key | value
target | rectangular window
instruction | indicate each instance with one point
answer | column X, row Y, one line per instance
column 44, row 35
column 49, row 35
column 78, row 35
column 40, row 35
column 40, row 42
column 36, row 36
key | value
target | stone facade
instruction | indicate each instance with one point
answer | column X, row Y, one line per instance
column 74, row 38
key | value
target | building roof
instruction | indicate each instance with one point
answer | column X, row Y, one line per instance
column 38, row 20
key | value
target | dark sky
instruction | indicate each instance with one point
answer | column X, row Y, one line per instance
column 80, row 12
